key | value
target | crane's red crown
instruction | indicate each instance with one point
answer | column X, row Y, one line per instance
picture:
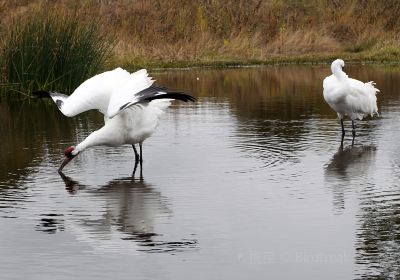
column 68, row 151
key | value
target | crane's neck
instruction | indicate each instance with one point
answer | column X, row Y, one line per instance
column 338, row 72
column 94, row 139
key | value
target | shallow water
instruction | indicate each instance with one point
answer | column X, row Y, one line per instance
column 249, row 182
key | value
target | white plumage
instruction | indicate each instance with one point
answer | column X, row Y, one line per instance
column 349, row 97
column 130, row 103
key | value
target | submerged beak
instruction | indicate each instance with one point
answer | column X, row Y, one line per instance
column 64, row 163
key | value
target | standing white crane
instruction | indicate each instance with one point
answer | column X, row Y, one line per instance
column 130, row 103
column 349, row 97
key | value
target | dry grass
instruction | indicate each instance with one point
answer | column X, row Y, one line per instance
column 158, row 32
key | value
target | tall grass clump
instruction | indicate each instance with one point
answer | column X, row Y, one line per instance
column 52, row 50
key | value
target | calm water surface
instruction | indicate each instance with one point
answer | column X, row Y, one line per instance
column 250, row 182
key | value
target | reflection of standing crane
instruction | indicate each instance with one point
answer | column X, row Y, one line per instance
column 349, row 97
column 131, row 105
column 347, row 164
column 127, row 215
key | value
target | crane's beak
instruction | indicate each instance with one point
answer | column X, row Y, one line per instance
column 64, row 163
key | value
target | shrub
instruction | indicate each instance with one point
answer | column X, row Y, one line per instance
column 52, row 50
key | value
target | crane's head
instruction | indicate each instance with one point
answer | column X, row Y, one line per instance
column 337, row 64
column 69, row 154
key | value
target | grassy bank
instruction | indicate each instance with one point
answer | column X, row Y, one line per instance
column 382, row 57
column 184, row 33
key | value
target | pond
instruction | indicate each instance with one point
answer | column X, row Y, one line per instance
column 248, row 182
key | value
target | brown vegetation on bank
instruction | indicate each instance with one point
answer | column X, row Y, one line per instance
column 158, row 32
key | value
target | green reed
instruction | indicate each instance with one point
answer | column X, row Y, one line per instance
column 52, row 51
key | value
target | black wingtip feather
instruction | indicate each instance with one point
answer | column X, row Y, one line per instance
column 173, row 95
column 41, row 94
column 157, row 92
column 123, row 106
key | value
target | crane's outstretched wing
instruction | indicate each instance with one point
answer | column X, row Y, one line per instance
column 112, row 92
column 93, row 93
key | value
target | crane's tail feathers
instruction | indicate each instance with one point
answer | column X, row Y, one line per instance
column 372, row 84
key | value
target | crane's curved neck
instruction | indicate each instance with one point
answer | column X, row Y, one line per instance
column 94, row 139
column 338, row 72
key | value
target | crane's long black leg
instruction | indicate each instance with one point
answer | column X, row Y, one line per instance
column 343, row 132
column 134, row 169
column 141, row 154
column 354, row 128
column 341, row 142
column 136, row 153
column 141, row 161
column 136, row 161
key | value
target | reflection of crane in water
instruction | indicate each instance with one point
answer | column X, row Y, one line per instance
column 377, row 241
column 347, row 164
column 128, row 219
column 134, row 206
